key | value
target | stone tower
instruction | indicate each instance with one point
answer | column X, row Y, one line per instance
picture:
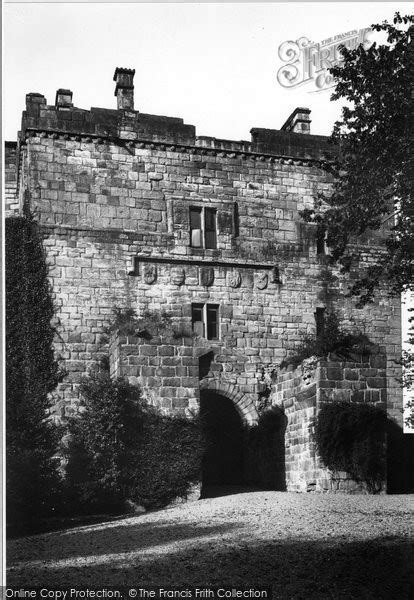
column 138, row 212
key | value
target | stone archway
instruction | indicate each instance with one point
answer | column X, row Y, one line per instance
column 228, row 415
column 245, row 451
column 243, row 405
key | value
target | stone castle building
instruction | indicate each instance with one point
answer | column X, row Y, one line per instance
column 138, row 212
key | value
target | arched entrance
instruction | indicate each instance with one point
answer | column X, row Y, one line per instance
column 241, row 453
column 223, row 430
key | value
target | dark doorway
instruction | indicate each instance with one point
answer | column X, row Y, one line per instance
column 223, row 430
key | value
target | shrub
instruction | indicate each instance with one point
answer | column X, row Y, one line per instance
column 122, row 449
column 331, row 339
column 150, row 324
column 31, row 374
column 351, row 437
column 102, row 440
column 168, row 459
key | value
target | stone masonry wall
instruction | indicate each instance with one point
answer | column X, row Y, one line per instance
column 172, row 369
column 103, row 206
column 112, row 191
column 301, row 392
column 295, row 394
column 165, row 369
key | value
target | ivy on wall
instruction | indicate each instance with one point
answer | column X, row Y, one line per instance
column 32, row 372
column 331, row 340
column 351, row 438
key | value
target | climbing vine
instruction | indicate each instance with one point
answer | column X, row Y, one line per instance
column 332, row 339
column 150, row 324
column 32, row 372
column 351, row 438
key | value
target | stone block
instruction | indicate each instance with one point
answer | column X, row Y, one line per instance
column 74, row 337
column 358, row 396
column 189, row 382
column 374, row 396
column 171, row 381
column 334, row 373
column 74, row 365
column 351, row 374
column 370, row 372
column 166, row 351
column 166, row 372
column 376, row 382
column 179, row 403
column 147, row 371
column 378, row 362
column 148, row 350
column 168, row 392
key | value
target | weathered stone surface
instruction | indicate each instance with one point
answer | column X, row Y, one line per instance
column 111, row 187
column 300, row 396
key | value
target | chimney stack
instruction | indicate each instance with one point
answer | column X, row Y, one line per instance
column 34, row 102
column 298, row 122
column 63, row 99
column 124, row 90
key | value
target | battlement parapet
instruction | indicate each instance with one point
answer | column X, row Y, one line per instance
column 293, row 139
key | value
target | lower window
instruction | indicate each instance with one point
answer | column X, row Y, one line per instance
column 205, row 319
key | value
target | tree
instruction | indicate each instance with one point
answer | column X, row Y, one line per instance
column 374, row 173
column 373, row 176
column 32, row 372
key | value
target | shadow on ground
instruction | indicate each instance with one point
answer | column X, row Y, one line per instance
column 115, row 538
column 379, row 569
column 216, row 491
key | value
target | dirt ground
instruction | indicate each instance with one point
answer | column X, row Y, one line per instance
column 302, row 545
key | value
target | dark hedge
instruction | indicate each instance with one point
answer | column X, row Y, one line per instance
column 351, row 438
column 168, row 460
column 31, row 374
column 123, row 450
column 102, row 438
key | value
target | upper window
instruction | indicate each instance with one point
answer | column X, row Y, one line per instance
column 320, row 321
column 321, row 241
column 205, row 318
column 203, row 227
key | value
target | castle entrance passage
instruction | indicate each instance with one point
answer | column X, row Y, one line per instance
column 223, row 430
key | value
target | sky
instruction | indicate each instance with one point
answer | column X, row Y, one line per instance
column 214, row 65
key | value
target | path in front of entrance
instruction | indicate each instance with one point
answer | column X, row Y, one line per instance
column 303, row 545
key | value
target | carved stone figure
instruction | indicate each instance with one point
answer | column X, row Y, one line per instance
column 150, row 274
column 234, row 279
column 206, row 276
column 177, row 276
column 262, row 280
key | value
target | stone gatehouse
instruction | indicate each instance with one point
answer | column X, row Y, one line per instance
column 138, row 212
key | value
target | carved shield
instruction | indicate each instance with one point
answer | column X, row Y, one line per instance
column 206, row 276
column 261, row 281
column 177, row 276
column 150, row 273
column 234, row 279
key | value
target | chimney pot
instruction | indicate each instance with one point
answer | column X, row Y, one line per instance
column 124, row 89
